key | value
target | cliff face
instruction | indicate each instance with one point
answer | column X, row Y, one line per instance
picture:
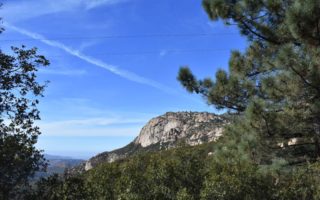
column 192, row 127
column 164, row 132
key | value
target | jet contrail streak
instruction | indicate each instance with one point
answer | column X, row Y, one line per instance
column 113, row 69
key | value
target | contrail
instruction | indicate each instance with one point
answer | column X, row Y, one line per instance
column 113, row 69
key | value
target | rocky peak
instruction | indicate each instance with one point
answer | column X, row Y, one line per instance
column 164, row 132
column 193, row 127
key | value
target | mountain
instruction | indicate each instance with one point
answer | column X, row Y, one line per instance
column 58, row 165
column 55, row 157
column 164, row 132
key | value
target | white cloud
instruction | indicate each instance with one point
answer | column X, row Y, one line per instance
column 83, row 132
column 93, row 127
column 90, row 4
column 85, row 45
column 163, row 53
column 63, row 72
column 83, row 109
column 81, row 117
column 23, row 10
column 97, row 122
column 212, row 25
column 111, row 68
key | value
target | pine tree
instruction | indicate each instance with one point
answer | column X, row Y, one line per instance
column 274, row 85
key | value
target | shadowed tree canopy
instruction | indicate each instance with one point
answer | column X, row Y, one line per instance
column 275, row 82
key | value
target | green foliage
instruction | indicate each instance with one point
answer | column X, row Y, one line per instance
column 56, row 188
column 19, row 92
column 184, row 195
column 47, row 188
column 234, row 169
column 272, row 148
column 274, row 88
column 275, row 82
column 300, row 183
column 240, row 180
column 186, row 173
column 163, row 175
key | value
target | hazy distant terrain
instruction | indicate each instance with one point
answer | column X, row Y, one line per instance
column 58, row 164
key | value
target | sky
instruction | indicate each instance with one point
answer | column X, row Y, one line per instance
column 114, row 64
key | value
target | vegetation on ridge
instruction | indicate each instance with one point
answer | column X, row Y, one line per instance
column 181, row 174
column 270, row 151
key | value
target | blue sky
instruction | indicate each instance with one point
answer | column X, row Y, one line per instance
column 114, row 64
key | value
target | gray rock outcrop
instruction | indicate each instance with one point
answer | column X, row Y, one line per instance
column 165, row 132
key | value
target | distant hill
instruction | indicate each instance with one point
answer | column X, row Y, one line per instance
column 164, row 132
column 55, row 157
column 58, row 165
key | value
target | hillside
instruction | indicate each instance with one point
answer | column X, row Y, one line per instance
column 58, row 165
column 164, row 132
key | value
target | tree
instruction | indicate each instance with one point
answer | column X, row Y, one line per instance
column 171, row 174
column 56, row 187
column 300, row 183
column 275, row 84
column 19, row 93
column 47, row 188
column 237, row 181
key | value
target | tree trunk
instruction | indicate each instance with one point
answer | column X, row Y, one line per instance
column 316, row 126
column 317, row 147
column 4, row 194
